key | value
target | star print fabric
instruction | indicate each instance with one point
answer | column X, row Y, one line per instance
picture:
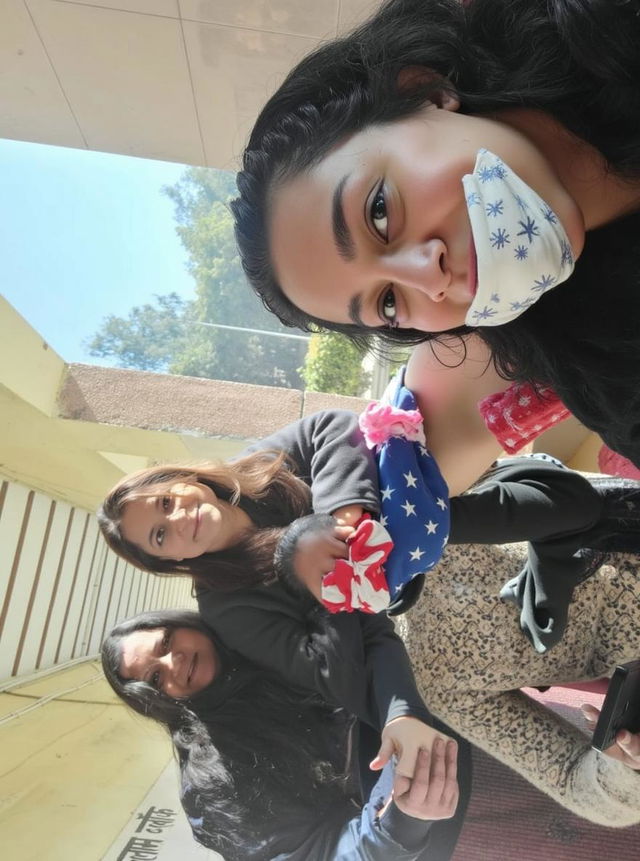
column 414, row 495
column 521, row 247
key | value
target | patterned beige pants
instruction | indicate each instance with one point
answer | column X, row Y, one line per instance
column 471, row 659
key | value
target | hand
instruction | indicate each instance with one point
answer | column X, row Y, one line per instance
column 348, row 515
column 405, row 737
column 433, row 792
column 627, row 744
column 316, row 555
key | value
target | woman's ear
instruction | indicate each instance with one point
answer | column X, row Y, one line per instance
column 442, row 93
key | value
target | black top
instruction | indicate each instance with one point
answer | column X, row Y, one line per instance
column 352, row 660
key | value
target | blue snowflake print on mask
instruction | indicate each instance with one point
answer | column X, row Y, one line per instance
column 529, row 229
column 414, row 496
column 499, row 238
column 522, row 249
column 543, row 283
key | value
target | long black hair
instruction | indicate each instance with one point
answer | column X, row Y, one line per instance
column 578, row 61
column 261, row 764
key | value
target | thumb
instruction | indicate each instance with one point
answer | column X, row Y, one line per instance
column 383, row 756
column 589, row 712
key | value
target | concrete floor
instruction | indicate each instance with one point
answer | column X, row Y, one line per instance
column 74, row 769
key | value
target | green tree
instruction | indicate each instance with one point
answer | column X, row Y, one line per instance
column 170, row 336
column 176, row 335
column 148, row 339
column 334, row 364
column 205, row 226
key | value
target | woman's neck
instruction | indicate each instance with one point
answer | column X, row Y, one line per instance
column 600, row 195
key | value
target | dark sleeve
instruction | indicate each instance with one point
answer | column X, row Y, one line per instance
column 392, row 835
column 367, row 837
column 557, row 511
column 330, row 455
column 391, row 684
column 296, row 639
column 352, row 660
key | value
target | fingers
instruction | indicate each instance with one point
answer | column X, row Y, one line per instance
column 407, row 759
column 451, row 789
column 383, row 756
column 429, row 771
column 342, row 532
column 441, row 780
column 590, row 714
column 626, row 748
column 629, row 744
column 433, row 792
column 336, row 544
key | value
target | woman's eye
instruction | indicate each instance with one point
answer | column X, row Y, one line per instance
column 388, row 308
column 166, row 503
column 154, row 680
column 160, row 536
column 378, row 214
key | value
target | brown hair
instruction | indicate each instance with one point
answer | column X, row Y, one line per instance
column 262, row 477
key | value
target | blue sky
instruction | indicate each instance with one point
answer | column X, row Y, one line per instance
column 84, row 235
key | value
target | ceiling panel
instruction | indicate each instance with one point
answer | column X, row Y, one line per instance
column 297, row 17
column 234, row 71
column 126, row 77
column 32, row 104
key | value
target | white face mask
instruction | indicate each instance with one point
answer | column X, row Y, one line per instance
column 522, row 249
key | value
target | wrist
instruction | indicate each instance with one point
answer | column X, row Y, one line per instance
column 348, row 515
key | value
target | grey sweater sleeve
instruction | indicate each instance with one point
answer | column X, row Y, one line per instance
column 329, row 454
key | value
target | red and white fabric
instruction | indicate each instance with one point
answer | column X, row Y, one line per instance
column 520, row 414
column 359, row 582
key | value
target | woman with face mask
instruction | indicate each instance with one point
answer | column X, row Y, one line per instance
column 267, row 771
column 456, row 167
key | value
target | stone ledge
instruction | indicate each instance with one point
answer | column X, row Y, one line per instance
column 185, row 405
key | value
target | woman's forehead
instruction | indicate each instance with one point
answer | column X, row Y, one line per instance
column 136, row 649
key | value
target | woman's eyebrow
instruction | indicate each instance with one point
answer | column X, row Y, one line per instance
column 156, row 504
column 355, row 311
column 154, row 654
column 341, row 233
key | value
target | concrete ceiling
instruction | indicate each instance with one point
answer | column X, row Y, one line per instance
column 178, row 80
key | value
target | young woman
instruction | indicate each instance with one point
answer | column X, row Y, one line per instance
column 267, row 771
column 452, row 167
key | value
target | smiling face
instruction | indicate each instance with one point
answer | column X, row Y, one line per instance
column 180, row 662
column 378, row 233
column 183, row 522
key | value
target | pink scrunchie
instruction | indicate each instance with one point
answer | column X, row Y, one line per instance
column 380, row 422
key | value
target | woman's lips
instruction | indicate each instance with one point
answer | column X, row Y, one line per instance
column 473, row 268
column 197, row 526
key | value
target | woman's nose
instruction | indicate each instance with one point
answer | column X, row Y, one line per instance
column 422, row 267
column 173, row 663
column 178, row 517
